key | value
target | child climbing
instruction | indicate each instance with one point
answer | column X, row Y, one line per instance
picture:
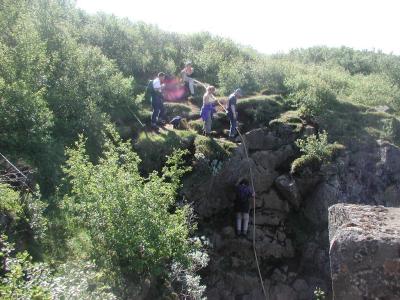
column 207, row 109
column 242, row 206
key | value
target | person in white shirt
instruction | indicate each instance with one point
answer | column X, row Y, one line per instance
column 155, row 86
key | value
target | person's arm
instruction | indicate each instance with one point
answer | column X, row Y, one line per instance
column 205, row 99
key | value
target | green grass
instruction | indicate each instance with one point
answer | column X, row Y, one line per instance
column 213, row 148
column 354, row 125
column 290, row 117
column 154, row 148
column 258, row 111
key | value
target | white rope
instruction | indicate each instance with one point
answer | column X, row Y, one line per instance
column 254, row 214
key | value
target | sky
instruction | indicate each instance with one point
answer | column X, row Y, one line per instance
column 270, row 26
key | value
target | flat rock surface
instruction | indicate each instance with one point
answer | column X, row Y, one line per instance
column 364, row 251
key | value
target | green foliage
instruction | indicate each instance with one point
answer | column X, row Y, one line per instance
column 128, row 217
column 259, row 111
column 153, row 149
column 213, row 149
column 319, row 293
column 316, row 150
column 25, row 210
column 20, row 278
column 9, row 202
column 310, row 94
column 375, row 90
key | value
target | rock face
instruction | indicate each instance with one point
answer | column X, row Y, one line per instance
column 364, row 252
column 291, row 225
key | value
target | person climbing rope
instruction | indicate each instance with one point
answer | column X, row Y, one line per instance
column 186, row 74
column 154, row 90
column 242, row 206
column 207, row 109
column 232, row 111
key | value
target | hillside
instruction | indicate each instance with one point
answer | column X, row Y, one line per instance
column 106, row 208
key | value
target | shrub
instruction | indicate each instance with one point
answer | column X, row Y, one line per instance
column 316, row 150
column 131, row 220
column 21, row 278
column 9, row 202
column 310, row 94
column 375, row 89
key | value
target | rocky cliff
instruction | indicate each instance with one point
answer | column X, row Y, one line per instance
column 291, row 212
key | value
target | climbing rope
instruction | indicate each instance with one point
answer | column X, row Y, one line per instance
column 254, row 205
column 254, row 213
column 254, row 198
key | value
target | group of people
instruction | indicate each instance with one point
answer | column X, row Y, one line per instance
column 155, row 91
column 209, row 103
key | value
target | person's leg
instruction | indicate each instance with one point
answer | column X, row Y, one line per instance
column 161, row 114
column 232, row 129
column 245, row 222
column 191, row 85
column 156, row 112
column 238, row 223
column 207, row 123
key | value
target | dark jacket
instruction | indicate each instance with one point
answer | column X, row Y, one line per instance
column 242, row 199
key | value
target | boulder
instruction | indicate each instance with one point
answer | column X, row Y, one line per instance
column 364, row 251
column 325, row 195
column 282, row 292
column 288, row 188
column 302, row 289
column 262, row 139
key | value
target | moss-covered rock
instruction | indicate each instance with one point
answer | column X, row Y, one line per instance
column 154, row 148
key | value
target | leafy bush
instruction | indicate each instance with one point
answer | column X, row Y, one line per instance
column 131, row 221
column 310, row 94
column 316, row 150
column 375, row 89
column 21, row 278
column 24, row 209
column 9, row 202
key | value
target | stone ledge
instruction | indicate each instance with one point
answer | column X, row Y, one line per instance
column 364, row 252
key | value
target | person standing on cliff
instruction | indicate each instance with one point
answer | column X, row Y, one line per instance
column 242, row 206
column 207, row 109
column 232, row 111
column 154, row 90
column 186, row 74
